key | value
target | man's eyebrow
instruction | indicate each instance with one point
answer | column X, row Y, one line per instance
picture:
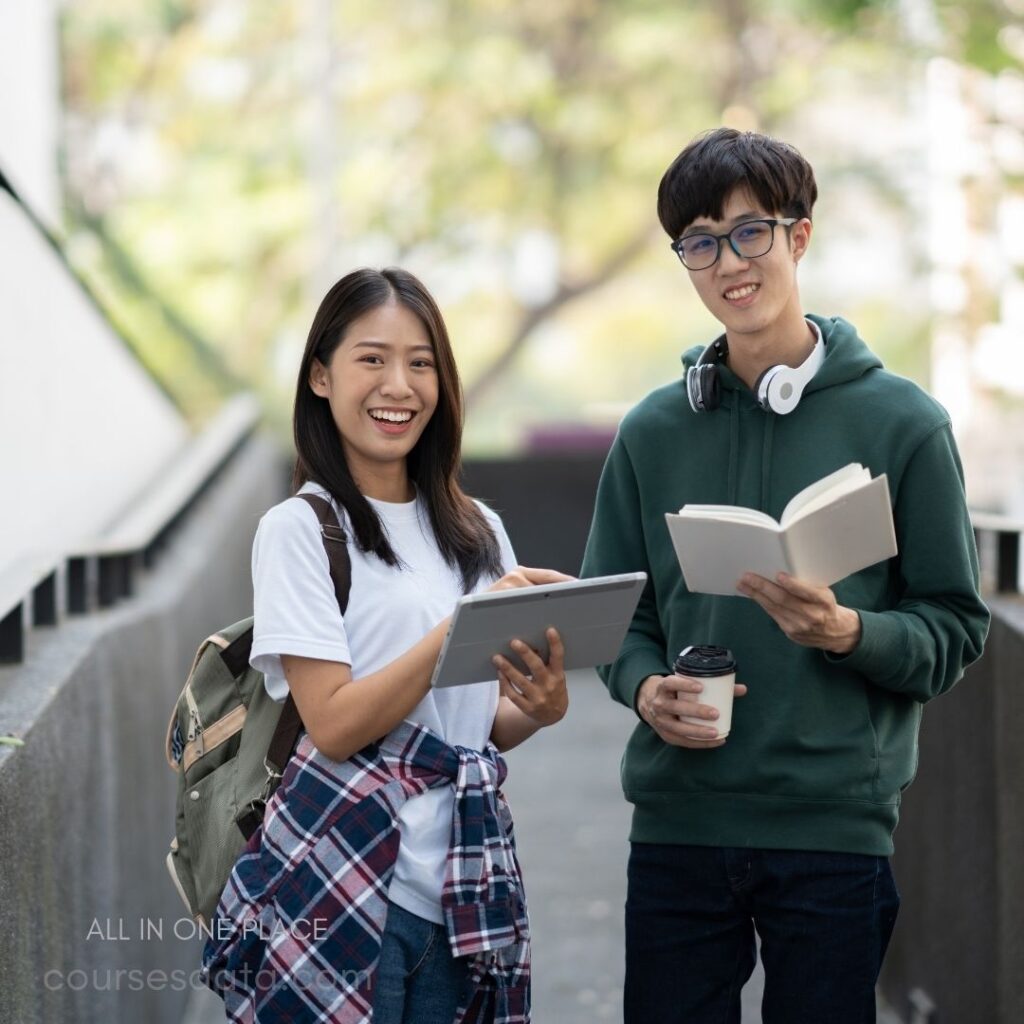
column 701, row 227
column 369, row 343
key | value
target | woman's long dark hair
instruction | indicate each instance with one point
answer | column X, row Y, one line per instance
column 464, row 536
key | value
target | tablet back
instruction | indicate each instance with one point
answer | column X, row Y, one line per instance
column 591, row 615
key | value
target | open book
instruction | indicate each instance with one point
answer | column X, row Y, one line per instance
column 838, row 525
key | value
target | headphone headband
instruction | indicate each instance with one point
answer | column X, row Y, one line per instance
column 716, row 352
column 778, row 389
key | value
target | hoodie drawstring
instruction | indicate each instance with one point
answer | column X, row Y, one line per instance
column 734, row 447
column 766, row 460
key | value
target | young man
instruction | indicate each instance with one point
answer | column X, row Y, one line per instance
column 785, row 826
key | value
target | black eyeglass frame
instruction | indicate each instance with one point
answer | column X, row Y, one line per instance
column 772, row 222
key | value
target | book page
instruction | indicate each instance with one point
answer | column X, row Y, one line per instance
column 714, row 553
column 852, row 532
column 737, row 513
column 822, row 491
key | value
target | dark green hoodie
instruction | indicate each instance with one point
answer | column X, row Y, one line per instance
column 822, row 746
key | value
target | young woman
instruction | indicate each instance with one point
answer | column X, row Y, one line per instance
column 383, row 884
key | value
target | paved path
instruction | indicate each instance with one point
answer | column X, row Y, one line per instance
column 571, row 823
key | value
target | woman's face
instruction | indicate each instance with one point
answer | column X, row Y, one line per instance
column 382, row 387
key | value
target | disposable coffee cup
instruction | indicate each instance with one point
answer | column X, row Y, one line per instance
column 715, row 667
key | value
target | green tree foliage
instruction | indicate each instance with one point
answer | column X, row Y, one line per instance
column 245, row 154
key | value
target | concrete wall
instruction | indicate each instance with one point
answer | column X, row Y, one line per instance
column 30, row 104
column 102, row 425
column 959, row 857
column 86, row 806
column 545, row 501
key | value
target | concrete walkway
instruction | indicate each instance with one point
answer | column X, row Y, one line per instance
column 571, row 825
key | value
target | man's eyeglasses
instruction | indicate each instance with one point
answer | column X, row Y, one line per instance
column 748, row 240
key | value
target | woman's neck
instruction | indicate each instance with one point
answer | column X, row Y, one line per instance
column 384, row 483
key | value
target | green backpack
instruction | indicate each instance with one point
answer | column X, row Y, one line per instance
column 229, row 742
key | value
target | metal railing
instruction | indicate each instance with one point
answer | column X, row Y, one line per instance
column 100, row 572
column 104, row 571
column 998, row 540
column 28, row 589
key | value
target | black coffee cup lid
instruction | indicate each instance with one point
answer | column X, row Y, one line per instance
column 704, row 660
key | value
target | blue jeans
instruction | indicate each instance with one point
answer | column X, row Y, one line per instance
column 418, row 980
column 824, row 920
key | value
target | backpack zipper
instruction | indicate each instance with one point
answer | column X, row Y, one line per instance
column 195, row 723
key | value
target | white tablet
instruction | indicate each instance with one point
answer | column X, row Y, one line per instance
column 591, row 615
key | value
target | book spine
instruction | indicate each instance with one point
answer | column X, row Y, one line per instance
column 787, row 554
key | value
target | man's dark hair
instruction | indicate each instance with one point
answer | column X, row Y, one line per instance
column 718, row 162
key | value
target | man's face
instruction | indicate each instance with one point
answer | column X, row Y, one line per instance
column 751, row 296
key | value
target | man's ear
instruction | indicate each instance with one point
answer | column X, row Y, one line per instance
column 319, row 379
column 800, row 238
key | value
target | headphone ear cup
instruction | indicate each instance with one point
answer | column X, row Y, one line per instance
column 761, row 387
column 711, row 387
column 693, row 389
column 779, row 389
column 703, row 387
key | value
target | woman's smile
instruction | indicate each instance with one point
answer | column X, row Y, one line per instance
column 392, row 421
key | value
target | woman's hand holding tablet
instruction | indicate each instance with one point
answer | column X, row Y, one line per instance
column 539, row 693
column 590, row 616
column 522, row 576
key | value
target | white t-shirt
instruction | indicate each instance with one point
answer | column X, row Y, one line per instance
column 389, row 610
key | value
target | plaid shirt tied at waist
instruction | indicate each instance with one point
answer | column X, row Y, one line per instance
column 296, row 936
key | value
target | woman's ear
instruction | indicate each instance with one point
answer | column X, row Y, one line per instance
column 319, row 379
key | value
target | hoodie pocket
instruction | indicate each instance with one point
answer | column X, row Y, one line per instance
column 875, row 752
column 823, row 744
column 896, row 719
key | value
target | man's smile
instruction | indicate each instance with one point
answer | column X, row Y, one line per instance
column 741, row 294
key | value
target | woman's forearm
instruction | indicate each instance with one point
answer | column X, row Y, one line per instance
column 343, row 715
column 511, row 726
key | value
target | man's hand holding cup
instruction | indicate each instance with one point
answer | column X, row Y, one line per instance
column 692, row 707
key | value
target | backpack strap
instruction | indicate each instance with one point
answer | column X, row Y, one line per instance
column 336, row 546
column 289, row 725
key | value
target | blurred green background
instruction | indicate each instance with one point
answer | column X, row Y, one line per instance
column 226, row 161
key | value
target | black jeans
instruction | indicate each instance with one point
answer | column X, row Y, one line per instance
column 824, row 920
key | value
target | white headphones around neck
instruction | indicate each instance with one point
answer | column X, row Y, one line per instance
column 778, row 389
